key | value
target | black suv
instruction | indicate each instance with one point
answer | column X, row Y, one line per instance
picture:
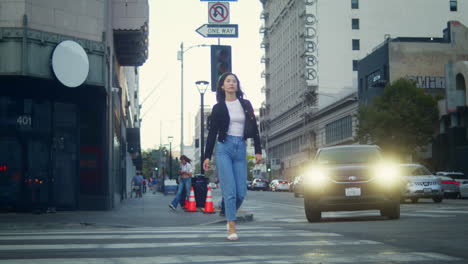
column 349, row 178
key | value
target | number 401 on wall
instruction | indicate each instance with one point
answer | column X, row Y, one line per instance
column 24, row 120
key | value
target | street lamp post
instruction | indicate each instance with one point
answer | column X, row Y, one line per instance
column 170, row 138
column 201, row 86
column 180, row 56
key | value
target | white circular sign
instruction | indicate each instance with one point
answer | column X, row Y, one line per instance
column 218, row 13
column 70, row 63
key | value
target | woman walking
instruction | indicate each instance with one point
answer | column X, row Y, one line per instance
column 185, row 180
column 233, row 121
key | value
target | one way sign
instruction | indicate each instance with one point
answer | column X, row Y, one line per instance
column 219, row 31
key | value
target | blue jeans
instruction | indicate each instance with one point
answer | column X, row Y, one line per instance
column 183, row 183
column 231, row 163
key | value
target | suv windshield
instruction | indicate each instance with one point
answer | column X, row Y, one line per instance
column 348, row 155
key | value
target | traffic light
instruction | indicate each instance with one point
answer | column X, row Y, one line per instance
column 156, row 168
column 220, row 63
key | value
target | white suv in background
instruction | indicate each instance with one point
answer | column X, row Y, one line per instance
column 420, row 183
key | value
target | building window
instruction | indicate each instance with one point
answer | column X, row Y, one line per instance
column 453, row 5
column 355, row 65
column 356, row 44
column 339, row 130
column 355, row 23
column 355, row 4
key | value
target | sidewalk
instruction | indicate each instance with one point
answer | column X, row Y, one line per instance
column 150, row 211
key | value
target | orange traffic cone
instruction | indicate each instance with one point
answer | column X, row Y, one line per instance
column 209, row 208
column 186, row 202
column 192, row 206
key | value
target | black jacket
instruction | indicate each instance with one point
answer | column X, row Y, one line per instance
column 219, row 126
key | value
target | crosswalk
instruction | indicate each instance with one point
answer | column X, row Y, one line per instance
column 200, row 244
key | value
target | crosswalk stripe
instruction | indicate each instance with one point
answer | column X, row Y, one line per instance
column 144, row 231
column 444, row 211
column 383, row 257
column 163, row 236
column 185, row 244
column 427, row 215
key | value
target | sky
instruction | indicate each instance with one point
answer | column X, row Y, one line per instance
column 172, row 22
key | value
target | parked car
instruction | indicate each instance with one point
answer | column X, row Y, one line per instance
column 350, row 178
column 453, row 185
column 297, row 186
column 464, row 189
column 279, row 185
column 259, row 184
column 450, row 187
column 249, row 185
column 420, row 183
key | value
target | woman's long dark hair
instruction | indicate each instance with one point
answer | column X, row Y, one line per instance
column 183, row 157
column 220, row 94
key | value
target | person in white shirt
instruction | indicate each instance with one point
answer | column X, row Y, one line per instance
column 185, row 180
column 232, row 122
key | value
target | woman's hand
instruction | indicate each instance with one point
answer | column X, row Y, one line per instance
column 258, row 158
column 206, row 164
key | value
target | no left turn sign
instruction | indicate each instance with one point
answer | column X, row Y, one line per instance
column 218, row 13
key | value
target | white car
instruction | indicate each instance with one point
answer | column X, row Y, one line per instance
column 420, row 183
column 464, row 189
column 451, row 182
column 279, row 185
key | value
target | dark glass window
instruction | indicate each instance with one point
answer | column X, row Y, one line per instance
column 355, row 23
column 355, row 4
column 355, row 65
column 356, row 44
column 339, row 130
column 453, row 5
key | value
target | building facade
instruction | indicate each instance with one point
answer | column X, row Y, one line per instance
column 68, row 97
column 312, row 48
column 437, row 65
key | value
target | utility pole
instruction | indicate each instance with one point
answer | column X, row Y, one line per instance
column 181, row 98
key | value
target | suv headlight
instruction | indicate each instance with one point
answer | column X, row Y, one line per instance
column 317, row 177
column 387, row 173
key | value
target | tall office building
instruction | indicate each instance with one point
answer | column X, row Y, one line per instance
column 311, row 51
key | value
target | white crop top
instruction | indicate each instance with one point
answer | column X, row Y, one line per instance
column 237, row 118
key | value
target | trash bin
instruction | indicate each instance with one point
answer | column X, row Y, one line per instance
column 200, row 187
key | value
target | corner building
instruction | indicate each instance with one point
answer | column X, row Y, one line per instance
column 69, row 146
column 313, row 47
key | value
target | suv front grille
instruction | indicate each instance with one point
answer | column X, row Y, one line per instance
column 430, row 183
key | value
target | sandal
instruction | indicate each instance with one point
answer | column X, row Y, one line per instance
column 232, row 236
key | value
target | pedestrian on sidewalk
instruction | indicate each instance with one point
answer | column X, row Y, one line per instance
column 233, row 121
column 137, row 182
column 185, row 180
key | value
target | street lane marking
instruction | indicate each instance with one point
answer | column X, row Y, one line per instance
column 165, row 236
column 142, row 231
column 444, row 211
column 185, row 244
column 383, row 257
column 287, row 205
column 427, row 215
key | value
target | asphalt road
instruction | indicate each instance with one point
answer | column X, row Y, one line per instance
column 280, row 233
